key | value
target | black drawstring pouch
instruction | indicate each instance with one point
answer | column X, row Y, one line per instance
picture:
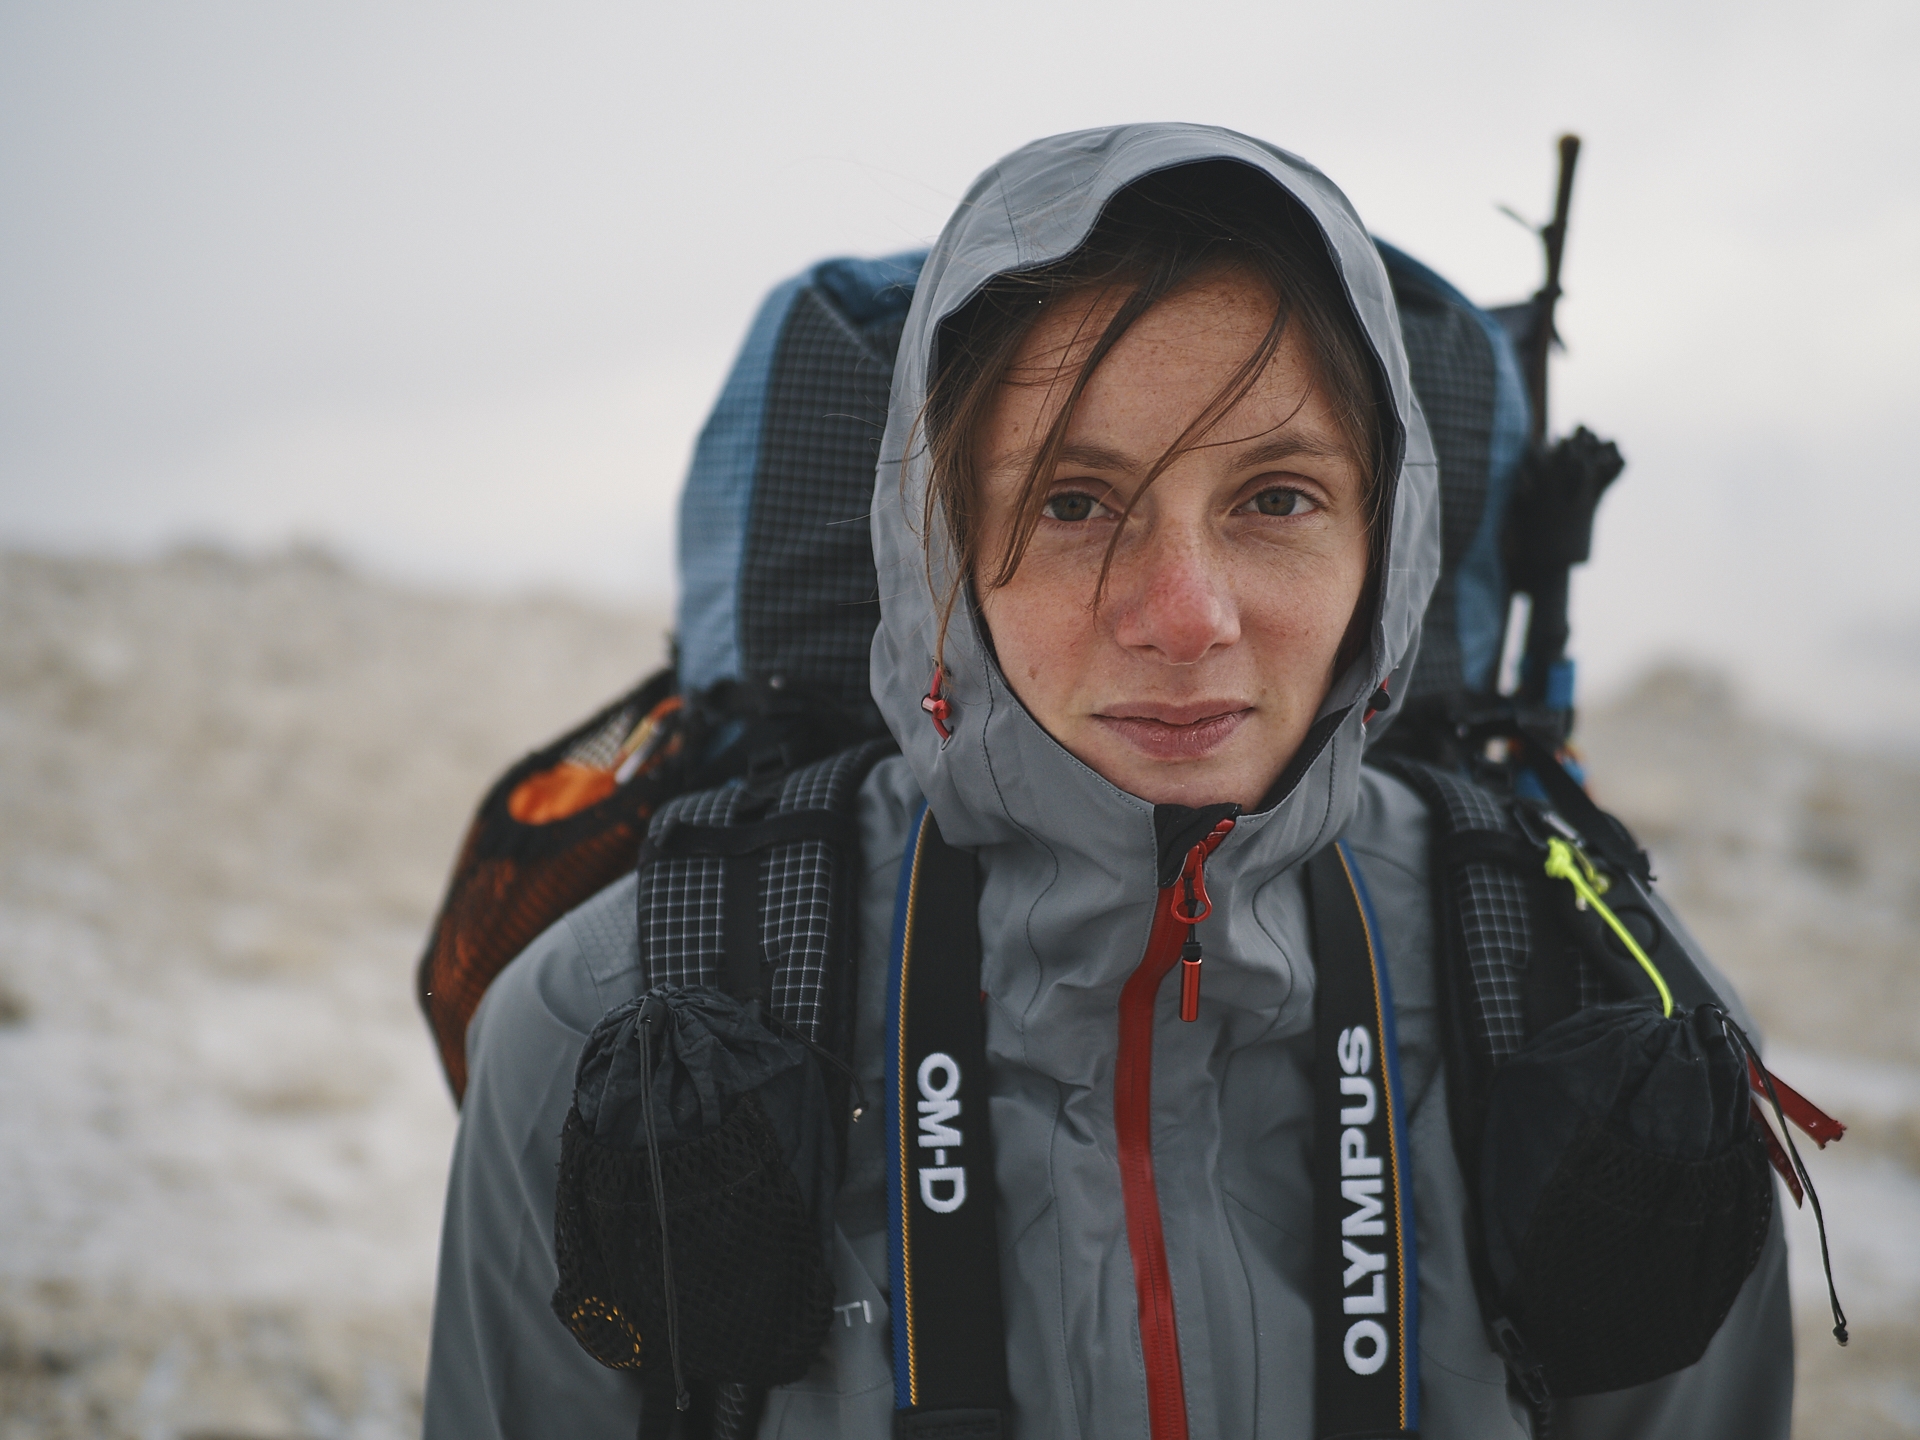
column 1624, row 1191
column 696, row 1173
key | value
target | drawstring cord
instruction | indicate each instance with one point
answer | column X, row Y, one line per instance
column 1752, row 1056
column 651, row 1014
column 826, row 1057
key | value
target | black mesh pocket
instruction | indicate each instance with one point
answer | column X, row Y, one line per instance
column 754, row 1297
column 1634, row 1259
column 1624, row 1193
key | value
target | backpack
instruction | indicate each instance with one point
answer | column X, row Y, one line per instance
column 779, row 603
column 741, row 766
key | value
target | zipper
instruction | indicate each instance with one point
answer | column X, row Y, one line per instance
column 1180, row 907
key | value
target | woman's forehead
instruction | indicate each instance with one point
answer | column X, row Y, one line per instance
column 1068, row 326
column 1169, row 367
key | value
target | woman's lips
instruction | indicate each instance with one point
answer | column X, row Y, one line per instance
column 1176, row 732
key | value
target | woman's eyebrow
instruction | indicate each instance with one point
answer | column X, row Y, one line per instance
column 1095, row 457
column 1287, row 447
column 1282, row 447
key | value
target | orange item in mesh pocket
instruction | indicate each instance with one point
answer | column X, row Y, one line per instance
column 554, row 831
column 566, row 789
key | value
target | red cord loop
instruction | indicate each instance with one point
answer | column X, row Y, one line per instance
column 1197, row 905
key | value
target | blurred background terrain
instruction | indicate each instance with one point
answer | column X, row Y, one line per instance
column 229, row 791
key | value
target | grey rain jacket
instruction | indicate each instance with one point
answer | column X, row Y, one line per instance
column 1069, row 883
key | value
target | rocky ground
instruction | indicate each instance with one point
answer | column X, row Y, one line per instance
column 229, row 795
column 229, row 791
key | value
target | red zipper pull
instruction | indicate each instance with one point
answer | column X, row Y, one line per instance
column 1197, row 906
column 1190, row 979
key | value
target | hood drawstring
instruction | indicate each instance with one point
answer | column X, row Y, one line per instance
column 938, row 706
column 1378, row 701
column 1190, row 908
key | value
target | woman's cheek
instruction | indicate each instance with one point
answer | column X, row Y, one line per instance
column 1037, row 641
column 1040, row 639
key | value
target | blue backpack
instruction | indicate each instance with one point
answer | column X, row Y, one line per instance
column 779, row 600
column 777, row 584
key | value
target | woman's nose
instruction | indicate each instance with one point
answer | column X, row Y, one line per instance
column 1176, row 602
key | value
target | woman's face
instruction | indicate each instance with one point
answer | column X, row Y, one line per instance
column 1195, row 679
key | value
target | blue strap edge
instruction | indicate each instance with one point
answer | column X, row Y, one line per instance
column 895, row 1113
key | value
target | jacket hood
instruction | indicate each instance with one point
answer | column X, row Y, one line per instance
column 1001, row 778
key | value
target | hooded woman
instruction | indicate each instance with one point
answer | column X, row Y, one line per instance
column 1157, row 513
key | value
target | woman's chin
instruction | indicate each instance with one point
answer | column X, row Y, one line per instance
column 1238, row 774
column 1228, row 758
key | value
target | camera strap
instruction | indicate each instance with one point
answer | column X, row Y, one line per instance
column 949, row 1332
column 1366, row 1275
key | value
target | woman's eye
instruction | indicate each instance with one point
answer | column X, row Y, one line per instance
column 1281, row 502
column 1072, row 506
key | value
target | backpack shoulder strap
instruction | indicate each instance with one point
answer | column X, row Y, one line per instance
column 1505, row 968
column 1513, row 956
column 752, row 890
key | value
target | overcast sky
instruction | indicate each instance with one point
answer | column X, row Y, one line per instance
column 449, row 288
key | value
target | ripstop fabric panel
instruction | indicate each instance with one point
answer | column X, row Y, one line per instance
column 808, row 598
column 1480, row 584
column 682, row 900
column 713, row 503
column 776, row 569
column 1467, row 378
column 1453, row 376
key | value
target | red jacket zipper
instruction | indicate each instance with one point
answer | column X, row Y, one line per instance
column 1181, row 905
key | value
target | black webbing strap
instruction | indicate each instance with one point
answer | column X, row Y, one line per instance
column 682, row 838
column 738, row 847
column 1366, row 1275
column 949, row 1333
column 1605, row 835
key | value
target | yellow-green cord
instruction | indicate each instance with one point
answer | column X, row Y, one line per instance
column 1565, row 862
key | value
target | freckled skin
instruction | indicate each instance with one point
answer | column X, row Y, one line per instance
column 1198, row 674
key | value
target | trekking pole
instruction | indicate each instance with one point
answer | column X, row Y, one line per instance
column 1553, row 237
column 1553, row 513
